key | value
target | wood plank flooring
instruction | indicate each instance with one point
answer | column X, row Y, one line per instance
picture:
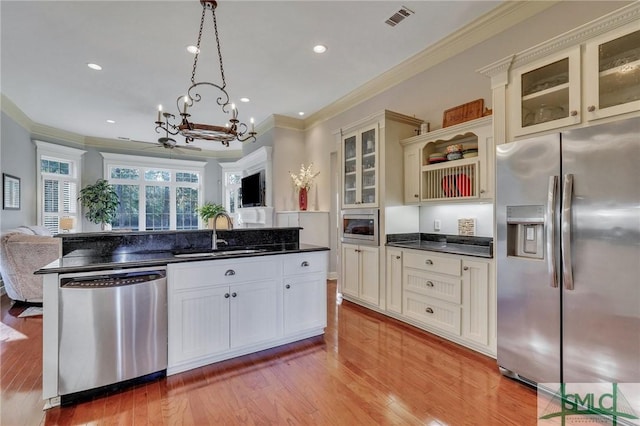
column 366, row 370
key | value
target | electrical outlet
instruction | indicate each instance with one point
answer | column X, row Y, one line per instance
column 436, row 225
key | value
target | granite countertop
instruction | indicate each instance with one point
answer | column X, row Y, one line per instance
column 452, row 244
column 92, row 260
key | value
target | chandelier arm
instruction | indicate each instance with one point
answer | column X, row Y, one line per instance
column 223, row 101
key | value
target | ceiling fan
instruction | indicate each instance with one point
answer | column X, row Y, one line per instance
column 170, row 143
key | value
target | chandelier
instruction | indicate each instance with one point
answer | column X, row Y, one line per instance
column 233, row 130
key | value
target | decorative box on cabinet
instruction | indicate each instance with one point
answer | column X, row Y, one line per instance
column 463, row 179
column 371, row 161
column 360, row 274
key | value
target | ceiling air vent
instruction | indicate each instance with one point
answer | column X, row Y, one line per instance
column 399, row 16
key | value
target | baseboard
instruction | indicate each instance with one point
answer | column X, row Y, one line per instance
column 332, row 275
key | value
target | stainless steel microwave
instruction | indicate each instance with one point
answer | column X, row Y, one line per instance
column 360, row 226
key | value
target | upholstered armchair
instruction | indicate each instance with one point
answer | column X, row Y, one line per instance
column 23, row 251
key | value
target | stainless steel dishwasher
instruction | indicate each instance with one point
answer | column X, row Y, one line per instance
column 113, row 328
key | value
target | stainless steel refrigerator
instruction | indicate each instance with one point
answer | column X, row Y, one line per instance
column 568, row 255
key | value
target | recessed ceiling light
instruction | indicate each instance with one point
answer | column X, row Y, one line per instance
column 193, row 49
column 94, row 66
column 319, row 48
column 244, row 99
column 301, row 113
column 110, row 121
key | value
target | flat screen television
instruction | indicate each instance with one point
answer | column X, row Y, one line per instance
column 253, row 190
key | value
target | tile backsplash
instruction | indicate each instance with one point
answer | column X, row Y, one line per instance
column 448, row 216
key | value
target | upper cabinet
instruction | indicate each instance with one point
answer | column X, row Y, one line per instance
column 613, row 73
column 371, row 159
column 587, row 74
column 450, row 164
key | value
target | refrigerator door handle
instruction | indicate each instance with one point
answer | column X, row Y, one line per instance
column 551, row 230
column 567, row 199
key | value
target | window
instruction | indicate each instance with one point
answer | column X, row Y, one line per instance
column 155, row 194
column 58, row 181
column 232, row 191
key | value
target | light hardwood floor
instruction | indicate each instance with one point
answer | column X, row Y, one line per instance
column 366, row 370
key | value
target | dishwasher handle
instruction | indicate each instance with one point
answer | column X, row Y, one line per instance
column 110, row 281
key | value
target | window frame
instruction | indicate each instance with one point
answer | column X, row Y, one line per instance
column 51, row 151
column 144, row 164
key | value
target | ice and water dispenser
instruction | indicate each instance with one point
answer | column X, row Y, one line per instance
column 525, row 231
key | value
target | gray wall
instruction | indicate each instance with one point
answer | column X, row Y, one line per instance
column 18, row 158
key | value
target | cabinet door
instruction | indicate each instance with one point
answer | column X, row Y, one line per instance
column 394, row 280
column 305, row 303
column 475, row 301
column 546, row 94
column 412, row 174
column 198, row 324
column 254, row 312
column 369, row 171
column 612, row 72
column 369, row 275
column 350, row 171
column 350, row 270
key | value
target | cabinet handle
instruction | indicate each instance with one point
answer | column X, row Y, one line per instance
column 234, row 294
column 398, row 257
column 429, row 283
column 415, row 195
column 591, row 108
column 574, row 113
column 482, row 191
column 287, row 286
column 428, row 262
column 466, row 268
column 229, row 272
column 429, row 310
column 226, row 295
column 305, row 263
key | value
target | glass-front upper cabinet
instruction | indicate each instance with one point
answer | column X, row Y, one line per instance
column 613, row 73
column 360, row 166
column 547, row 94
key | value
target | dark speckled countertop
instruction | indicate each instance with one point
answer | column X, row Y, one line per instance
column 452, row 244
column 90, row 260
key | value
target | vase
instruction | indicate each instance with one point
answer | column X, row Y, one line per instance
column 302, row 199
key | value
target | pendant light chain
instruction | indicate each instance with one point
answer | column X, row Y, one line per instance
column 215, row 27
column 195, row 59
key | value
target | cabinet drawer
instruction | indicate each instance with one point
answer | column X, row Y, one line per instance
column 443, row 287
column 429, row 262
column 433, row 312
column 216, row 272
column 305, row 263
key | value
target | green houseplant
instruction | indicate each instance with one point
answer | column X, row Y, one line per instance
column 209, row 210
column 100, row 201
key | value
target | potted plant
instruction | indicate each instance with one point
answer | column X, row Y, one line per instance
column 208, row 211
column 100, row 201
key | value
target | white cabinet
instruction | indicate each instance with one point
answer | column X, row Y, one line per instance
column 476, row 319
column 469, row 178
column 305, row 292
column 371, row 160
column 314, row 224
column 546, row 94
column 411, row 168
column 360, row 274
column 449, row 295
column 219, row 309
column 587, row 74
column 612, row 73
column 394, row 280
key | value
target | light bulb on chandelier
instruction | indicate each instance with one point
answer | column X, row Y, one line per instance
column 231, row 131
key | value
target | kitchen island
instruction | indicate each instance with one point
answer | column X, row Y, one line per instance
column 260, row 290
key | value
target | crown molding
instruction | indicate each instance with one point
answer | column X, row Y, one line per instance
column 490, row 24
column 16, row 114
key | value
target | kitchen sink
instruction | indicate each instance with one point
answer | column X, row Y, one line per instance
column 218, row 253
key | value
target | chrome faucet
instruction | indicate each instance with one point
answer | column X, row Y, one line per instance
column 214, row 237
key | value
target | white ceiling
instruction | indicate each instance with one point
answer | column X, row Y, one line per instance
column 266, row 49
